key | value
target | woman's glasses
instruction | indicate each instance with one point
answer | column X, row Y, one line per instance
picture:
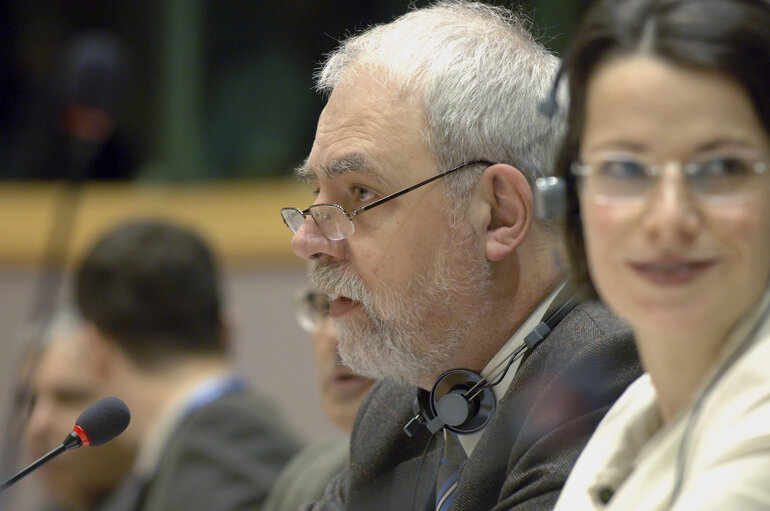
column 728, row 178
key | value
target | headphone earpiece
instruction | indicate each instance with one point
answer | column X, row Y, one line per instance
column 463, row 401
column 453, row 404
column 550, row 199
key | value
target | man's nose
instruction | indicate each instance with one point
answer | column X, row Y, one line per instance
column 39, row 422
column 326, row 332
column 310, row 243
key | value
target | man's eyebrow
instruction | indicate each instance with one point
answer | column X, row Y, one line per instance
column 304, row 172
column 351, row 163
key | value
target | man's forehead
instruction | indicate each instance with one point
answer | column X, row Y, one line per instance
column 367, row 126
column 65, row 353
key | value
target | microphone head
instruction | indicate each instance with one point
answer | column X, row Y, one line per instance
column 103, row 421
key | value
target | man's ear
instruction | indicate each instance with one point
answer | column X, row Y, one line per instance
column 510, row 206
column 228, row 328
column 102, row 352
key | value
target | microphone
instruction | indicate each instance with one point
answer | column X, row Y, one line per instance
column 92, row 85
column 100, row 423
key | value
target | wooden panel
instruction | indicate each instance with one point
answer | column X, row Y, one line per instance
column 240, row 219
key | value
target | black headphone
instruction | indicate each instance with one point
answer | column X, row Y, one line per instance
column 461, row 400
column 550, row 105
column 551, row 192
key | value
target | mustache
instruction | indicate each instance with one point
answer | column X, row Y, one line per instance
column 335, row 280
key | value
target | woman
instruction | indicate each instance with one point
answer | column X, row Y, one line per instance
column 667, row 164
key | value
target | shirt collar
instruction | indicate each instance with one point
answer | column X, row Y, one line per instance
column 469, row 441
column 171, row 416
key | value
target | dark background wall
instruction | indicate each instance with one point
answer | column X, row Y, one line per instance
column 214, row 89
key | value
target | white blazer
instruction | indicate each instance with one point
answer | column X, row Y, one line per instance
column 632, row 462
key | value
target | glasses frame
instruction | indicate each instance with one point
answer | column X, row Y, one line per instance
column 351, row 215
column 582, row 170
column 306, row 312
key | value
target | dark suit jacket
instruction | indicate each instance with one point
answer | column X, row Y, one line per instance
column 557, row 398
column 305, row 478
column 225, row 456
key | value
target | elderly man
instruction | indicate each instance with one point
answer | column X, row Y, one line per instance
column 424, row 236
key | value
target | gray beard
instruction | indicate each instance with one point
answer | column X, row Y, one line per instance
column 409, row 336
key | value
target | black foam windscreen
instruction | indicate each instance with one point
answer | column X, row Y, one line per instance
column 104, row 420
column 94, row 70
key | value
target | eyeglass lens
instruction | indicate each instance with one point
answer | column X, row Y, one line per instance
column 331, row 219
column 312, row 308
column 728, row 177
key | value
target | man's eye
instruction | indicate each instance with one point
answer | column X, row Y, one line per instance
column 73, row 396
column 361, row 194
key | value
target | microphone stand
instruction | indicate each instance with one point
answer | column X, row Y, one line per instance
column 71, row 442
column 47, row 289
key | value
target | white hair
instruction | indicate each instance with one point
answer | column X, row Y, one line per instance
column 481, row 76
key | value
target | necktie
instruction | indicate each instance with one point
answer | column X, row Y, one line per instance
column 449, row 471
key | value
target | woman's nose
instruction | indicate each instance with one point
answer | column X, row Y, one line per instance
column 673, row 209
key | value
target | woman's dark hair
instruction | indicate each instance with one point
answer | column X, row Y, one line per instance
column 728, row 36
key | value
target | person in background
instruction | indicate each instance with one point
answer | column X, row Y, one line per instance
column 149, row 293
column 439, row 285
column 667, row 162
column 342, row 392
column 60, row 389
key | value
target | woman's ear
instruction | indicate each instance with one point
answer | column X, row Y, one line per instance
column 510, row 204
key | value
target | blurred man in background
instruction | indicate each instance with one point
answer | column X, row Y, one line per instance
column 149, row 293
column 342, row 393
column 61, row 388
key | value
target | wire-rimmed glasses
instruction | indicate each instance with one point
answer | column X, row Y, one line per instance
column 337, row 224
column 310, row 307
column 621, row 178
